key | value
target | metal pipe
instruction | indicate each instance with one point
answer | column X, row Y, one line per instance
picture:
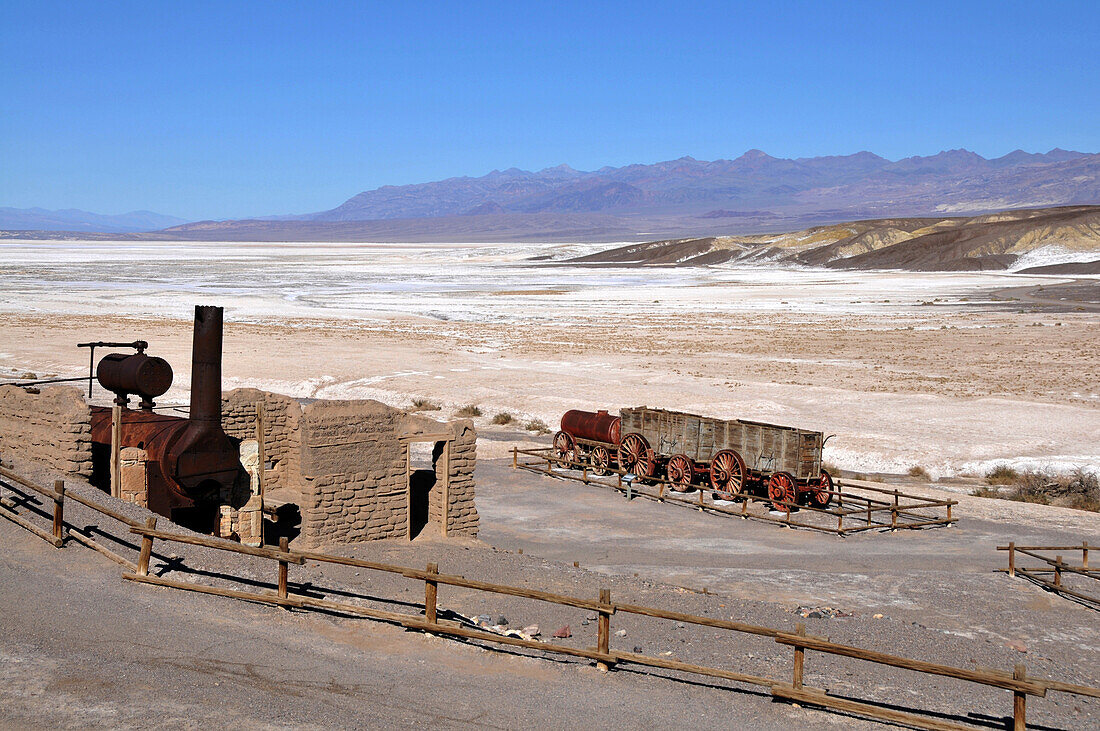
column 206, row 366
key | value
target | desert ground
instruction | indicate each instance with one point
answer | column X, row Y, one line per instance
column 951, row 372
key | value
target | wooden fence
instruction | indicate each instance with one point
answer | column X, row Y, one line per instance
column 1052, row 578
column 882, row 508
column 606, row 657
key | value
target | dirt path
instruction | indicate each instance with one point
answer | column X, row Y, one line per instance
column 83, row 648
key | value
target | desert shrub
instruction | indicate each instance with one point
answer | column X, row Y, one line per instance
column 503, row 418
column 469, row 411
column 918, row 471
column 423, row 404
column 1002, row 474
column 831, row 468
column 1079, row 489
column 1033, row 486
column 538, row 426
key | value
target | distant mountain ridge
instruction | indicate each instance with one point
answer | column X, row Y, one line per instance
column 71, row 219
column 860, row 184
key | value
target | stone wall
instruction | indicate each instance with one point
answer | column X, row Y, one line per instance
column 354, row 472
column 53, row 427
column 462, row 517
column 282, row 446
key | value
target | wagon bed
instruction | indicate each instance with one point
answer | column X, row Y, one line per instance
column 765, row 448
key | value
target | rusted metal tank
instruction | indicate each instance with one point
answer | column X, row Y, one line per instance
column 597, row 427
column 137, row 373
column 189, row 460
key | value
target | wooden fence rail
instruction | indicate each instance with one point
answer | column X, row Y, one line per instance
column 1016, row 682
column 603, row 654
column 1058, row 567
column 852, row 513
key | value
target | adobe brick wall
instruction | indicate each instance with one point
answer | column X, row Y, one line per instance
column 353, row 469
column 53, row 427
column 282, row 445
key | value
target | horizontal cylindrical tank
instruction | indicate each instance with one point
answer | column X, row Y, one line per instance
column 136, row 373
column 598, row 427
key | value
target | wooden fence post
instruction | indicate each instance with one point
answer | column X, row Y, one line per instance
column 261, row 462
column 1012, row 558
column 431, row 593
column 58, row 508
column 1058, row 571
column 116, row 451
column 799, row 657
column 1084, row 554
column 284, row 546
column 603, row 639
column 515, row 457
column 1019, row 701
column 146, row 547
column 894, row 512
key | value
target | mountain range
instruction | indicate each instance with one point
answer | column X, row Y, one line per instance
column 754, row 193
column 755, row 183
column 71, row 219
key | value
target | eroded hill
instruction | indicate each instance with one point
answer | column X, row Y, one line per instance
column 1067, row 237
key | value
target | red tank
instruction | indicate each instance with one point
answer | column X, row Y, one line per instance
column 597, row 427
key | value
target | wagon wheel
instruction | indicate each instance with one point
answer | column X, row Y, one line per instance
column 565, row 449
column 600, row 458
column 680, row 472
column 635, row 456
column 781, row 488
column 821, row 491
column 727, row 474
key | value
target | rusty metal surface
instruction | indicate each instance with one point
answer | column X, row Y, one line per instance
column 597, row 426
column 136, row 373
column 188, row 460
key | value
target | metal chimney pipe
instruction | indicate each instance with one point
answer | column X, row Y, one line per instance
column 206, row 366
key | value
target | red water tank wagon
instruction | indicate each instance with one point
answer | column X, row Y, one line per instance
column 598, row 426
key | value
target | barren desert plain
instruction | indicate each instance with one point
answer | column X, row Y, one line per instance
column 952, row 372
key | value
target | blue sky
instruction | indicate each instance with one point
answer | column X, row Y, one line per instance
column 218, row 110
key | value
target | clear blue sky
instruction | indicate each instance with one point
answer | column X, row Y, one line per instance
column 224, row 109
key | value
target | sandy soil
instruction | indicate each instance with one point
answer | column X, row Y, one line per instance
column 936, row 370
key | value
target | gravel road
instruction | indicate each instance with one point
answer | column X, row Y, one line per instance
column 83, row 648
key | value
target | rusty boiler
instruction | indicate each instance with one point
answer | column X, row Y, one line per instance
column 189, row 461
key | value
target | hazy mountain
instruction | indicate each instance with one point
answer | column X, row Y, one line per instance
column 953, row 180
column 71, row 219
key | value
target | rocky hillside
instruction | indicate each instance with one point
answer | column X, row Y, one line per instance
column 1062, row 240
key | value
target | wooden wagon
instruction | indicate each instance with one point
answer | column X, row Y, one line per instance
column 730, row 455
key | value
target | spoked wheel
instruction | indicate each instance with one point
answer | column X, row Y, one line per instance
column 599, row 458
column 680, row 472
column 821, row 492
column 565, row 448
column 727, row 474
column 635, row 456
column 781, row 487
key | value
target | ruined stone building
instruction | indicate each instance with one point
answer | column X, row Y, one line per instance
column 355, row 470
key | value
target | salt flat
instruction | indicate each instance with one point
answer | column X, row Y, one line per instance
column 906, row 369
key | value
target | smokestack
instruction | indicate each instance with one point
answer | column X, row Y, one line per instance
column 206, row 367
